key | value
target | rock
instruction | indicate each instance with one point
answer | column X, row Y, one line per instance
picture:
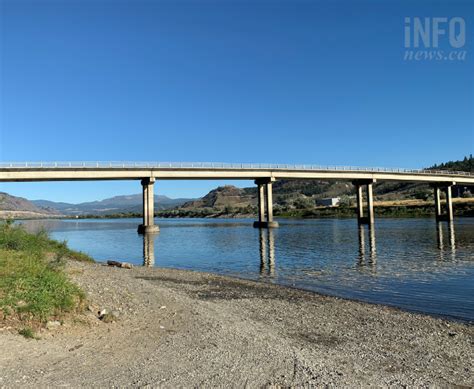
column 123, row 265
column 53, row 324
column 108, row 318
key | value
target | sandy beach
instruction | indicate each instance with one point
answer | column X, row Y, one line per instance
column 188, row 329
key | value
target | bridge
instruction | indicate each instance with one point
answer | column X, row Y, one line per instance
column 263, row 175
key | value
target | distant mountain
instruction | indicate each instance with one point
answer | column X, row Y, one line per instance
column 61, row 207
column 14, row 207
column 118, row 204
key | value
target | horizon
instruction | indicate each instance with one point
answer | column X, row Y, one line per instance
column 307, row 82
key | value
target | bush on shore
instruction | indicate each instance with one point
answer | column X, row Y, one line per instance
column 33, row 285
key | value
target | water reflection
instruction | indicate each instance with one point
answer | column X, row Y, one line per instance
column 267, row 252
column 450, row 238
column 149, row 250
column 363, row 259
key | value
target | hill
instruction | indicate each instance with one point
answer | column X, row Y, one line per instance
column 115, row 205
column 289, row 194
column 15, row 207
column 466, row 165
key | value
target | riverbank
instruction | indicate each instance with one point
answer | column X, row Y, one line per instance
column 408, row 208
column 182, row 328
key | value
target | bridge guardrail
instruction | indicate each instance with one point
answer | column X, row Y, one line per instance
column 218, row 165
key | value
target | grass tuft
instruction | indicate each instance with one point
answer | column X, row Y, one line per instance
column 28, row 333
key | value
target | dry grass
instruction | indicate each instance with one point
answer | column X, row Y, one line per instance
column 414, row 202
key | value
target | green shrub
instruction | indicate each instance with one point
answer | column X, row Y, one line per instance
column 33, row 285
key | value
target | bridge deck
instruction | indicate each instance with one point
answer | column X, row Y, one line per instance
column 71, row 171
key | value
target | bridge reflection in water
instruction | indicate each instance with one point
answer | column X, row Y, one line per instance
column 365, row 259
column 367, row 255
column 445, row 233
column 267, row 252
column 149, row 250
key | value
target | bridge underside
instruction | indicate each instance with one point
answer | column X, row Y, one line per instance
column 100, row 174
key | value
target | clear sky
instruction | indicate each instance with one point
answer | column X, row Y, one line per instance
column 321, row 82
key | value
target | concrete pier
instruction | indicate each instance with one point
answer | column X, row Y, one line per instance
column 361, row 218
column 446, row 187
column 437, row 199
column 265, row 203
column 148, row 225
column 449, row 204
column 261, row 203
column 360, row 204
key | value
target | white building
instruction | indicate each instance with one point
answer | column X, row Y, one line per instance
column 330, row 202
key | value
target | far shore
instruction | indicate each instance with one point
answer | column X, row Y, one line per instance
column 463, row 207
column 188, row 329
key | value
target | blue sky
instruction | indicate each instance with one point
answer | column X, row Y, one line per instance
column 321, row 82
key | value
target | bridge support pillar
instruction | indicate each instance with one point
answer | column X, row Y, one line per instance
column 370, row 218
column 446, row 187
column 437, row 199
column 261, row 203
column 265, row 203
column 148, row 225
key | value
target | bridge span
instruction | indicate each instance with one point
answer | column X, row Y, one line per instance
column 263, row 175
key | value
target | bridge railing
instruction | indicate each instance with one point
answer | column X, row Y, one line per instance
column 219, row 165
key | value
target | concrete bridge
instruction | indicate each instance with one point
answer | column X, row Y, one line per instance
column 264, row 175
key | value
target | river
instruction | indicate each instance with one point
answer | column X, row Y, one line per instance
column 415, row 264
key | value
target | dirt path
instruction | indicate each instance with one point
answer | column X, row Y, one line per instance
column 189, row 329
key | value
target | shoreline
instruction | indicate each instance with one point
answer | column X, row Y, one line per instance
column 413, row 311
column 188, row 328
column 242, row 217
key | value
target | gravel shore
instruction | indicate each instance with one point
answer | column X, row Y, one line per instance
column 187, row 329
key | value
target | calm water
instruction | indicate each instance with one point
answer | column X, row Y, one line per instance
column 416, row 264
